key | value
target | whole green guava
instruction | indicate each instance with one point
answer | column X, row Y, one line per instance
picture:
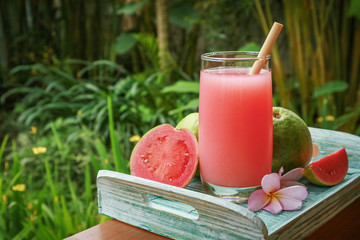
column 292, row 144
column 190, row 122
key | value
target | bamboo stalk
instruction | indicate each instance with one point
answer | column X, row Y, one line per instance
column 354, row 71
column 278, row 72
column 318, row 40
column 163, row 34
column 297, row 50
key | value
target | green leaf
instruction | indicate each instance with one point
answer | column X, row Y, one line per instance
column 100, row 118
column 354, row 9
column 131, row 7
column 25, row 230
column 108, row 63
column 182, row 87
column 330, row 87
column 101, row 63
column 49, row 179
column 191, row 105
column 251, row 46
column 95, row 163
column 21, row 90
column 183, row 15
column 342, row 120
column 44, row 232
column 125, row 42
column 87, row 181
column 66, row 217
column 63, row 74
column 74, row 197
column 37, row 67
column 119, row 160
column 92, row 87
column 48, row 212
column 3, row 144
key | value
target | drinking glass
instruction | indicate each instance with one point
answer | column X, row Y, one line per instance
column 235, row 123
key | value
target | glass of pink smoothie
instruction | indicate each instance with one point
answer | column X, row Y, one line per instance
column 235, row 124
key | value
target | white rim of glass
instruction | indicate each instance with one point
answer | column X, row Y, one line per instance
column 222, row 56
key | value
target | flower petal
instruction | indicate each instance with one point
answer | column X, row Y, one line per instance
column 297, row 192
column 270, row 183
column 316, row 150
column 257, row 200
column 274, row 206
column 293, row 175
column 290, row 204
column 284, row 184
column 281, row 171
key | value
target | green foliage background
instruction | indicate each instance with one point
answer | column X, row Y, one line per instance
column 87, row 75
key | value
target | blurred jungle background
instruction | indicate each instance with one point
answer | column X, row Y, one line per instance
column 82, row 80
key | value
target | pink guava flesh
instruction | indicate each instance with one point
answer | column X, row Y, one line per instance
column 329, row 170
column 166, row 155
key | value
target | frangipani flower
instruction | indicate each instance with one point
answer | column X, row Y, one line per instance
column 279, row 193
column 290, row 178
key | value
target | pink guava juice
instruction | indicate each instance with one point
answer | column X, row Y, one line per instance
column 235, row 126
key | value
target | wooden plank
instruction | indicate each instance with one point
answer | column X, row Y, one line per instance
column 124, row 197
column 344, row 225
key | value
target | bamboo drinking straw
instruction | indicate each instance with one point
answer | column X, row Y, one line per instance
column 266, row 47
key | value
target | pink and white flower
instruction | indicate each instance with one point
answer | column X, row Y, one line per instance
column 279, row 193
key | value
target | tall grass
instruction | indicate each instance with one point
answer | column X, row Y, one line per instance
column 119, row 160
column 48, row 180
column 47, row 188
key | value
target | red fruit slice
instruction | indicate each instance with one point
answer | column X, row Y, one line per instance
column 166, row 155
column 329, row 170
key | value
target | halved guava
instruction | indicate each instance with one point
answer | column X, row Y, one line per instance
column 329, row 170
column 166, row 155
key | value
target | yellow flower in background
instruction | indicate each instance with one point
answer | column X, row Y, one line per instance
column 39, row 150
column 4, row 198
column 33, row 216
column 19, row 188
column 30, row 206
column 328, row 118
column 79, row 112
column 106, row 161
column 33, row 130
column 6, row 165
column 134, row 138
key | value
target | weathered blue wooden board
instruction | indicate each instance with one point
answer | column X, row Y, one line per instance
column 191, row 214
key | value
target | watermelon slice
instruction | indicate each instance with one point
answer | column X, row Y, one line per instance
column 329, row 170
column 166, row 155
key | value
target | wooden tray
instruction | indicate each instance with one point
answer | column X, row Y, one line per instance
column 192, row 214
